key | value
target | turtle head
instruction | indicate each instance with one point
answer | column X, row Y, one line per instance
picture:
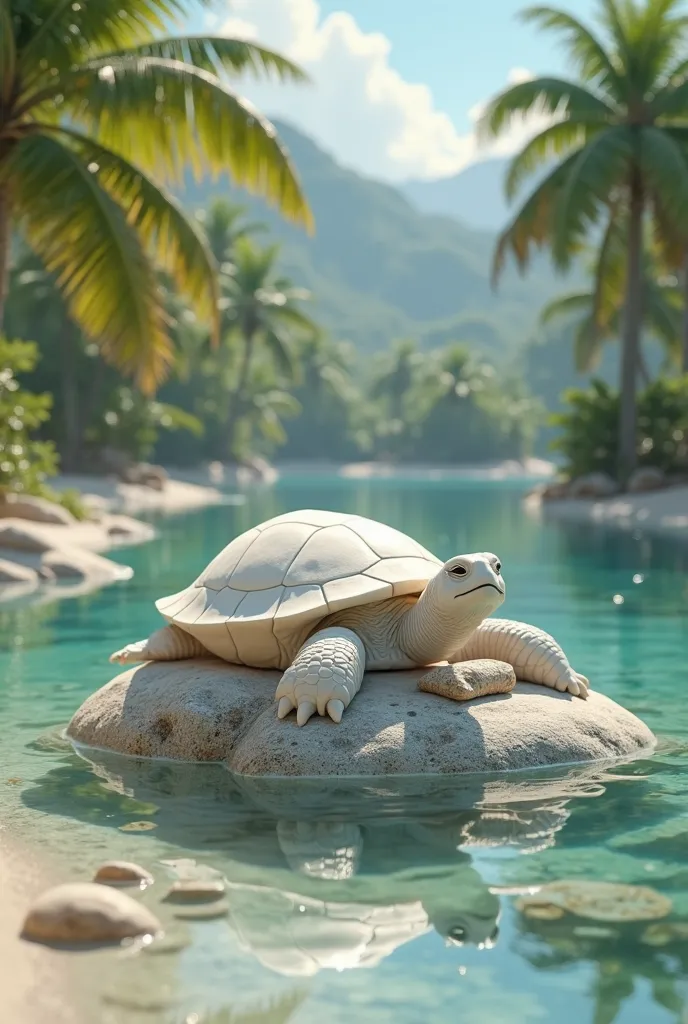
column 470, row 584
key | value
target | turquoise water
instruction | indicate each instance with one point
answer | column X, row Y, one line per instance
column 380, row 901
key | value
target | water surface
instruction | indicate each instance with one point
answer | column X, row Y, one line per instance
column 380, row 900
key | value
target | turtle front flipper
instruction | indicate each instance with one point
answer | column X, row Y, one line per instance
column 167, row 644
column 535, row 656
column 325, row 676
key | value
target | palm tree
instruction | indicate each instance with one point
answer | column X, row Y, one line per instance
column 98, row 111
column 620, row 134
column 597, row 312
column 260, row 311
column 223, row 224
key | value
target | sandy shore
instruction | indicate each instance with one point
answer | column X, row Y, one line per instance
column 107, row 494
column 73, row 552
column 659, row 512
column 40, row 986
column 529, row 469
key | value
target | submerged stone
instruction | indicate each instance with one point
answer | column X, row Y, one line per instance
column 122, row 872
column 87, row 913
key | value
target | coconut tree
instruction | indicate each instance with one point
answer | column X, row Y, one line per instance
column 261, row 312
column 618, row 137
column 597, row 311
column 100, row 111
column 224, row 224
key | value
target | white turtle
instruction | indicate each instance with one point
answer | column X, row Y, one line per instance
column 325, row 596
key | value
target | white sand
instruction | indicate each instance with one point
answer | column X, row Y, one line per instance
column 661, row 512
column 39, row 985
column 111, row 495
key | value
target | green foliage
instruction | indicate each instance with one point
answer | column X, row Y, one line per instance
column 597, row 312
column 588, row 437
column 99, row 114
column 131, row 422
column 24, row 462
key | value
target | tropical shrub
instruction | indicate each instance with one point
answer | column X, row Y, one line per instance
column 25, row 462
column 589, row 438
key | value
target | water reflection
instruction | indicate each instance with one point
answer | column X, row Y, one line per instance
column 333, row 874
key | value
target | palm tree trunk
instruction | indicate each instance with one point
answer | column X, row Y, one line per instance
column 237, row 393
column 684, row 346
column 4, row 251
column 631, row 336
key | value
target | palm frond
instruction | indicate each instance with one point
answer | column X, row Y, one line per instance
column 551, row 96
column 584, row 50
column 598, row 168
column 531, row 225
column 174, row 240
column 587, row 345
column 65, row 32
column 664, row 165
column 219, row 53
column 279, row 345
column 573, row 305
column 83, row 236
column 162, row 114
column 555, row 140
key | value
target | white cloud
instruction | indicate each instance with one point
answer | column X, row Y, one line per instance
column 358, row 106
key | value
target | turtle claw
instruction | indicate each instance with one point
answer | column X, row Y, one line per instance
column 284, row 707
column 130, row 654
column 335, row 709
column 304, row 711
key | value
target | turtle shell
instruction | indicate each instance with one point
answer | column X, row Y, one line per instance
column 275, row 581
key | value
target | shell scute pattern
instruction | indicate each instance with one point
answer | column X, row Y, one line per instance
column 280, row 577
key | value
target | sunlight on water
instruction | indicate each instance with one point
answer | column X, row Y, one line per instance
column 413, row 880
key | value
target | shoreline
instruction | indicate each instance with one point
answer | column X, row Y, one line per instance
column 41, row 984
column 663, row 512
column 52, row 560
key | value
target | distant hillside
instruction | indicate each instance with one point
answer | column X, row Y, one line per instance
column 380, row 269
column 474, row 196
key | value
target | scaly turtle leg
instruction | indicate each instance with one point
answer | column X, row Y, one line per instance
column 167, row 644
column 325, row 676
column 535, row 656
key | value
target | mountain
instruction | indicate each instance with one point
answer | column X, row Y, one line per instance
column 381, row 269
column 474, row 196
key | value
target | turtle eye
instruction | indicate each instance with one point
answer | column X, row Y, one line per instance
column 459, row 570
column 498, row 567
column 457, row 934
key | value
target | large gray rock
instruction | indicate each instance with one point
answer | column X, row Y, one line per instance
column 211, row 711
column 185, row 710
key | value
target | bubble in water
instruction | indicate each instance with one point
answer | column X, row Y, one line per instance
column 638, row 578
column 618, row 599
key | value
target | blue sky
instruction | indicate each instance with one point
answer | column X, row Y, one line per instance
column 397, row 83
column 462, row 49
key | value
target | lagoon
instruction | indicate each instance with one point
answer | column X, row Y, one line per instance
column 395, row 904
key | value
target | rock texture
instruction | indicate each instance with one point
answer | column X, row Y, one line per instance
column 186, row 710
column 122, row 872
column 84, row 912
column 14, row 572
column 207, row 710
column 37, row 510
column 469, row 679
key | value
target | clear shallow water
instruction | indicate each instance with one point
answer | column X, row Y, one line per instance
column 372, row 900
